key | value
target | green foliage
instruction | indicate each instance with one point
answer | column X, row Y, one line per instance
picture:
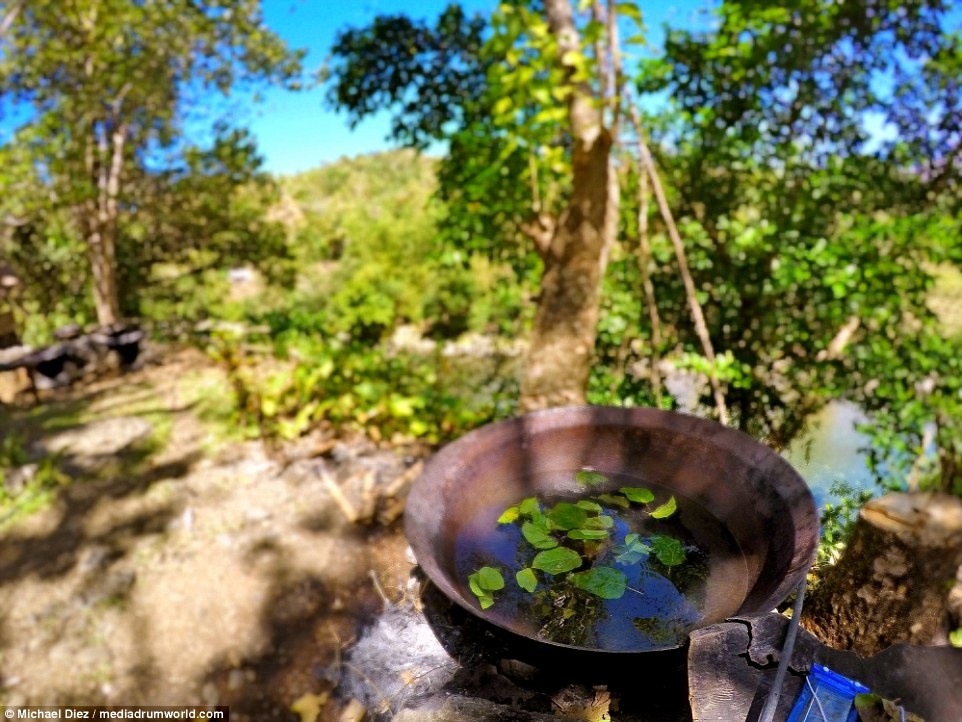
column 349, row 383
column 668, row 550
column 327, row 351
column 604, row 582
column 837, row 522
column 567, row 537
column 665, row 510
column 483, row 583
column 810, row 242
column 538, row 535
column 955, row 637
column 637, row 493
column 38, row 490
column 632, row 551
column 588, row 477
column 557, row 561
column 527, row 579
column 377, row 217
column 449, row 83
column 102, row 165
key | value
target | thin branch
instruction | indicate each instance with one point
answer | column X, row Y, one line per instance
column 644, row 264
column 536, row 205
column 698, row 317
column 616, row 78
column 11, row 15
column 604, row 59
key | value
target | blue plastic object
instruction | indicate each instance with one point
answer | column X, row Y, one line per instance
column 827, row 697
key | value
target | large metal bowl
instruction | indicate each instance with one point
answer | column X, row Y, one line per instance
column 751, row 490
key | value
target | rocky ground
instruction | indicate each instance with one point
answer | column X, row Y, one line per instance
column 173, row 565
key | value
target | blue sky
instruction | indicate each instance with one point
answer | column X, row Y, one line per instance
column 296, row 132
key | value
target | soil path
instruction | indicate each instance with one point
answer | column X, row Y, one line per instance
column 173, row 569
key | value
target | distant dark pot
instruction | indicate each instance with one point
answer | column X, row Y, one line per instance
column 754, row 493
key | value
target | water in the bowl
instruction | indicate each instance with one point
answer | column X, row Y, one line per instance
column 626, row 565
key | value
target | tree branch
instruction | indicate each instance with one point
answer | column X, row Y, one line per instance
column 644, row 265
column 701, row 329
column 11, row 16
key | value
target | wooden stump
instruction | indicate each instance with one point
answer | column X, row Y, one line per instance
column 892, row 582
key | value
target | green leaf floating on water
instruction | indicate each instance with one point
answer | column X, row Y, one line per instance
column 589, row 506
column 665, row 510
column 638, row 493
column 509, row 515
column 483, row 582
column 490, row 578
column 529, row 506
column 633, row 551
column 668, row 549
column 604, row 582
column 566, row 516
column 598, row 522
column 614, row 500
column 588, row 534
column 527, row 580
column 557, row 561
column 589, row 477
column 538, row 536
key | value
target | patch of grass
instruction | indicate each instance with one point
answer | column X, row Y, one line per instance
column 25, row 428
column 209, row 394
column 57, row 416
column 37, row 493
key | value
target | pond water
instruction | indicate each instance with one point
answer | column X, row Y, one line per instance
column 638, row 583
column 829, row 451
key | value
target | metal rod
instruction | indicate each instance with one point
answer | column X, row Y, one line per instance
column 768, row 711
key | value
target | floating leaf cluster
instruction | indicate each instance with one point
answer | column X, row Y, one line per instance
column 484, row 583
column 567, row 536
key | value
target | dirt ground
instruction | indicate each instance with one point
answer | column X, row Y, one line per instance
column 176, row 567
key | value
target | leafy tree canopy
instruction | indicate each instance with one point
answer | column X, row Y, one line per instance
column 112, row 87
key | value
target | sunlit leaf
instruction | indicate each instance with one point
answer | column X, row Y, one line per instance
column 529, row 506
column 955, row 637
column 526, row 579
column 502, row 105
column 629, row 10
column 666, row 509
column 490, row 579
column 509, row 515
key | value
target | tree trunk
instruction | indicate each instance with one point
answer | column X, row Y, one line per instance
column 100, row 248
column 892, row 582
column 104, row 163
column 563, row 338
